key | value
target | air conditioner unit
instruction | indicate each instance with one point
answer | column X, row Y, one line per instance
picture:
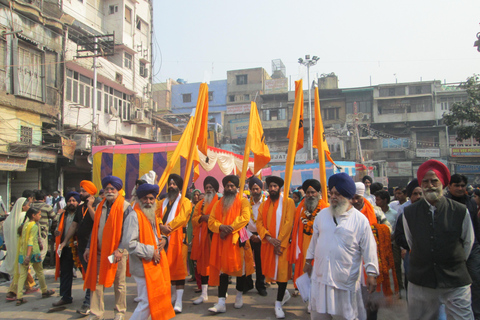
column 110, row 142
column 139, row 115
column 84, row 141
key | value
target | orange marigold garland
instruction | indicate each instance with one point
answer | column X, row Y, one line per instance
column 308, row 218
column 385, row 259
column 72, row 244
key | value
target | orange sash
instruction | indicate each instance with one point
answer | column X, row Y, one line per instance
column 201, row 247
column 268, row 253
column 369, row 212
column 157, row 276
column 225, row 255
column 58, row 240
column 112, row 233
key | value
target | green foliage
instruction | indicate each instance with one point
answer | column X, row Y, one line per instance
column 464, row 117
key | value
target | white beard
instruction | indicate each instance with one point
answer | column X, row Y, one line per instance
column 149, row 212
column 311, row 205
column 340, row 208
column 208, row 197
column 433, row 195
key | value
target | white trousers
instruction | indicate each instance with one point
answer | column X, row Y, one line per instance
column 142, row 312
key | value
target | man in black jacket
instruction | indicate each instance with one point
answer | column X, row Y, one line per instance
column 440, row 235
column 457, row 190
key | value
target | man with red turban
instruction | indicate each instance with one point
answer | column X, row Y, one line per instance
column 440, row 235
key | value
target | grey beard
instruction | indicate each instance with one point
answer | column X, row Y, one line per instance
column 209, row 197
column 434, row 195
column 340, row 208
column 228, row 201
column 149, row 212
column 172, row 196
column 311, row 205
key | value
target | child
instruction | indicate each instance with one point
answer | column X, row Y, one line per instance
column 30, row 253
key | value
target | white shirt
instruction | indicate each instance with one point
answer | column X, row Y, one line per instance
column 252, row 226
column 338, row 249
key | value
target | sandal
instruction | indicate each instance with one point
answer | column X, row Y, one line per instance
column 47, row 293
column 11, row 296
column 20, row 302
column 198, row 290
column 295, row 293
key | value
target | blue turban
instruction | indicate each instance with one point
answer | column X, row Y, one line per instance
column 74, row 194
column 116, row 182
column 343, row 183
column 146, row 189
column 255, row 181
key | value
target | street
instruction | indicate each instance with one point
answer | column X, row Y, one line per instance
column 255, row 306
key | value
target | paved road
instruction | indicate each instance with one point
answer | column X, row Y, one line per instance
column 255, row 306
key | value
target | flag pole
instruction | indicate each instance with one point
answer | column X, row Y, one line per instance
column 320, row 135
column 246, row 153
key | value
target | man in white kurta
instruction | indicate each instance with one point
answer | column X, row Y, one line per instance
column 341, row 239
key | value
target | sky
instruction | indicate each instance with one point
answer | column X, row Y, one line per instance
column 363, row 42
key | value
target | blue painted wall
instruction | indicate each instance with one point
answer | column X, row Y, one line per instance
column 215, row 107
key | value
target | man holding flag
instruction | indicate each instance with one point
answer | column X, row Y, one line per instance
column 201, row 234
column 230, row 255
column 274, row 225
column 172, row 213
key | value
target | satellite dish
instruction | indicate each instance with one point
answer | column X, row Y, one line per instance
column 90, row 158
column 114, row 111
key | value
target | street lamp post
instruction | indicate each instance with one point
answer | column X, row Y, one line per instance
column 308, row 63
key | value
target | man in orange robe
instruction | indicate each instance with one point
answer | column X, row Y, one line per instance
column 148, row 261
column 202, row 236
column 173, row 213
column 373, row 213
column 230, row 252
column 274, row 226
column 305, row 215
column 107, row 259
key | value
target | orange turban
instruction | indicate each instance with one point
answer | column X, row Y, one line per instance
column 89, row 187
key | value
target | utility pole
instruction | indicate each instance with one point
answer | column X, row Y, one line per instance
column 309, row 62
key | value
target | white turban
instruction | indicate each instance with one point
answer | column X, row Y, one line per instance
column 360, row 188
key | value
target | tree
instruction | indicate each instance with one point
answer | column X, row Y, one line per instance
column 464, row 117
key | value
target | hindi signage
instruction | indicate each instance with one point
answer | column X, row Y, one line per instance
column 238, row 109
column 13, row 164
column 428, row 153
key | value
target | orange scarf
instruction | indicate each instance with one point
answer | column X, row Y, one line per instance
column 268, row 253
column 112, row 233
column 225, row 254
column 157, row 276
column 369, row 212
column 201, row 247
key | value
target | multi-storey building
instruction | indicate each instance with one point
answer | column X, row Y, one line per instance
column 31, row 51
column 123, row 107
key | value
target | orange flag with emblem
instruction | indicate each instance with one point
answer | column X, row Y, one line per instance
column 299, row 128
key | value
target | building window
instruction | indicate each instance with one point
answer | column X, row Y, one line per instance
column 210, row 95
column 242, row 79
column 26, row 134
column 274, row 114
column 187, row 97
column 143, row 70
column 331, row 114
column 139, row 23
column 128, row 14
column 127, row 60
column 231, row 98
column 112, row 9
column 29, row 73
column 246, row 97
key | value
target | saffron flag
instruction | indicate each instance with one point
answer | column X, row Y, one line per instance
column 320, row 143
column 199, row 137
column 256, row 144
column 295, row 133
column 299, row 100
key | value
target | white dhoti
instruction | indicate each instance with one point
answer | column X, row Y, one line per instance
column 325, row 299
column 142, row 311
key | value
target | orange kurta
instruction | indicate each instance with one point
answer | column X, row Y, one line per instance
column 201, row 239
column 300, row 239
column 177, row 249
column 266, row 226
column 226, row 255
column 157, row 276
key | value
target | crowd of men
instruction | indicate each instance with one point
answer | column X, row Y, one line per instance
column 350, row 245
